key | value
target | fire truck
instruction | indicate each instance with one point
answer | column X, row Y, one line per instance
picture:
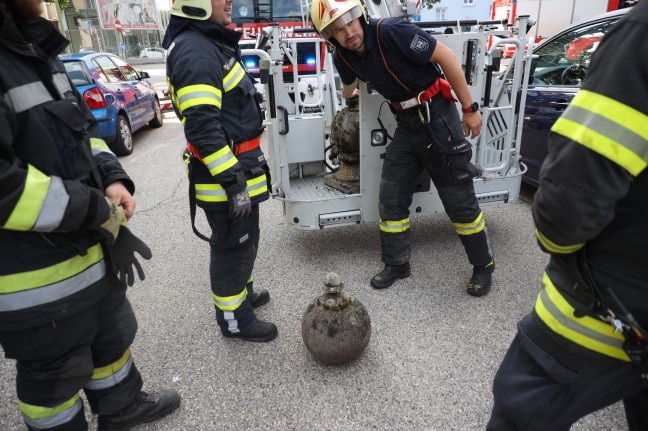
column 551, row 16
column 326, row 160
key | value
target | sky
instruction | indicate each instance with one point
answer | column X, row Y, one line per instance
column 163, row 4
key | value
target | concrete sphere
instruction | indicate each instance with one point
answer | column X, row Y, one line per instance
column 336, row 327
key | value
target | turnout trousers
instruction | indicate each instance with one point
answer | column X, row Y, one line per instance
column 546, row 382
column 445, row 155
column 233, row 252
column 89, row 350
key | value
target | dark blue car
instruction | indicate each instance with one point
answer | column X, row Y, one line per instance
column 119, row 97
column 556, row 76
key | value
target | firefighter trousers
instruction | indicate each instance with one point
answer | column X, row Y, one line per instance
column 233, row 253
column 89, row 350
column 546, row 382
column 442, row 150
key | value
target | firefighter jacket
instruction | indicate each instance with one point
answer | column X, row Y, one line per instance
column 593, row 195
column 52, row 168
column 217, row 102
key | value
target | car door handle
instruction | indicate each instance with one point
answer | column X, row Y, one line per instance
column 560, row 104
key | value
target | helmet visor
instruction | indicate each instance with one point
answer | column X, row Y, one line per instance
column 341, row 21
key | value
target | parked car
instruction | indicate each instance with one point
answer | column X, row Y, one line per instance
column 153, row 53
column 556, row 75
column 120, row 98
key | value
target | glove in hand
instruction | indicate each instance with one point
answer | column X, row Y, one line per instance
column 122, row 256
column 116, row 218
column 240, row 206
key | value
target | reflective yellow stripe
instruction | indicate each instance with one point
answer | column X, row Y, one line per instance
column 110, row 369
column 257, row 185
column 99, row 145
column 586, row 331
column 395, row 226
column 216, row 193
column 555, row 248
column 26, row 211
column 220, row 161
column 471, row 228
column 22, row 281
column 230, row 303
column 608, row 127
column 38, row 412
column 199, row 94
column 233, row 77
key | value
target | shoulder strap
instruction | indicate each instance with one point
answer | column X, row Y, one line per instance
column 384, row 59
column 339, row 53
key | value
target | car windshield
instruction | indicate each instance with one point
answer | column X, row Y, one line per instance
column 565, row 60
column 76, row 73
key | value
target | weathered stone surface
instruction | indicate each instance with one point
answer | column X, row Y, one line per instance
column 336, row 328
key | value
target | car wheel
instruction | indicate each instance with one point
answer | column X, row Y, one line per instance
column 123, row 143
column 158, row 119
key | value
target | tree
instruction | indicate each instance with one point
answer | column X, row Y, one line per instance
column 62, row 3
column 426, row 3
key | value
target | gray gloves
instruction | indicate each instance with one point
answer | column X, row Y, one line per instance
column 121, row 254
column 240, row 206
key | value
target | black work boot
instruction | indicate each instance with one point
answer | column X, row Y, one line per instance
column 259, row 331
column 145, row 408
column 389, row 275
column 481, row 280
column 258, row 297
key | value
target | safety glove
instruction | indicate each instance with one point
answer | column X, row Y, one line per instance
column 121, row 254
column 109, row 229
column 240, row 206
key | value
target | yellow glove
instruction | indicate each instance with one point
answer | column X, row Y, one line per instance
column 116, row 218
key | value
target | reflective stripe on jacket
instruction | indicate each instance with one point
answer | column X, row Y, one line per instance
column 593, row 195
column 589, row 332
column 52, row 170
column 217, row 102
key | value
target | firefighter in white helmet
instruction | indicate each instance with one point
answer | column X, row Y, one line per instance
column 402, row 63
column 228, row 175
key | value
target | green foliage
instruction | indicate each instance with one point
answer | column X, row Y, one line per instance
column 62, row 3
column 427, row 4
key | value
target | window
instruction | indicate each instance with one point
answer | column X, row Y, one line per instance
column 565, row 60
column 108, row 70
column 468, row 2
column 75, row 70
column 127, row 69
column 267, row 11
column 441, row 13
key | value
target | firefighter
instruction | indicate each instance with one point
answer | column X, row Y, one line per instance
column 66, row 255
column 401, row 62
column 217, row 102
column 584, row 345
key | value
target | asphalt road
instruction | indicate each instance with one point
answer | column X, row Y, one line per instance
column 433, row 351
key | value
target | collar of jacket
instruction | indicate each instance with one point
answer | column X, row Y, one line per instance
column 207, row 28
column 38, row 31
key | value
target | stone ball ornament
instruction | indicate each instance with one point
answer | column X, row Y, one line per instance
column 335, row 327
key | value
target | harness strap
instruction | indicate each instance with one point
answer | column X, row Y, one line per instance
column 440, row 84
column 246, row 146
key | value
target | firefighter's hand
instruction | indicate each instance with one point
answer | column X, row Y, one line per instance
column 109, row 229
column 240, row 206
column 472, row 123
column 121, row 254
column 121, row 196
